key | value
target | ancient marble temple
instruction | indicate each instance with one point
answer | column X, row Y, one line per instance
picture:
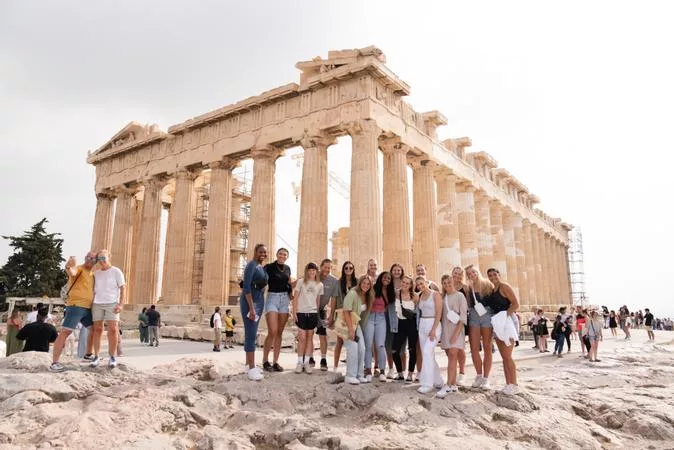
column 467, row 210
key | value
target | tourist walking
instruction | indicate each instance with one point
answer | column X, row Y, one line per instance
column 648, row 323
column 79, row 298
column 406, row 311
column 453, row 336
column 503, row 299
column 216, row 324
column 567, row 326
column 306, row 300
column 580, row 325
column 142, row 326
column 109, row 295
column 558, row 329
column 626, row 321
column 613, row 323
column 479, row 324
column 14, row 345
column 39, row 334
column 430, row 329
column 593, row 330
column 355, row 303
column 251, row 303
column 459, row 279
column 347, row 281
column 230, row 321
column 330, row 292
column 153, row 325
column 542, row 331
column 375, row 325
column 277, row 308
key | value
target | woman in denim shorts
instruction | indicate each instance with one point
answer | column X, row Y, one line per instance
column 252, row 303
column 479, row 326
column 277, row 308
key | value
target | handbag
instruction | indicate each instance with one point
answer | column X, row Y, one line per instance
column 407, row 313
column 479, row 307
column 341, row 327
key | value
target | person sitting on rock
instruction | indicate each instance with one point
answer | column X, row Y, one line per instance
column 39, row 334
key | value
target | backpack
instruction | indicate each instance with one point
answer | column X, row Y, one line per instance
column 212, row 324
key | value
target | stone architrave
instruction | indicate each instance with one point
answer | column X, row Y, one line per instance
column 215, row 289
column 449, row 255
column 465, row 206
column 122, row 235
column 497, row 234
column 511, row 251
column 262, row 228
column 396, row 213
column 147, row 257
column 529, row 261
column 485, row 242
column 177, row 286
column 425, row 233
column 313, row 229
column 365, row 233
column 538, row 266
column 102, row 234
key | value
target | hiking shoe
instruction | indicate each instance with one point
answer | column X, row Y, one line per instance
column 56, row 367
column 276, row 368
column 112, row 363
column 267, row 367
column 312, row 363
column 324, row 364
column 95, row 362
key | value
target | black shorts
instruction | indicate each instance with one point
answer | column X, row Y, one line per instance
column 307, row 321
column 320, row 329
column 229, row 333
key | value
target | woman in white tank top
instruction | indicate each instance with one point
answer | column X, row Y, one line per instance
column 430, row 313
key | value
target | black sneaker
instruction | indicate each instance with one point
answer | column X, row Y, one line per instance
column 312, row 363
column 277, row 368
column 324, row 365
column 266, row 366
column 216, row 349
column 88, row 357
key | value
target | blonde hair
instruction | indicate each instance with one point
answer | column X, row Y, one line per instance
column 482, row 286
column 443, row 292
column 367, row 296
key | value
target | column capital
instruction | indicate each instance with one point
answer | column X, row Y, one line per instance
column 106, row 194
column 186, row 173
column 466, row 186
column 361, row 127
column 392, row 144
column 445, row 173
column 266, row 152
column 130, row 190
column 317, row 140
column 418, row 162
column 224, row 163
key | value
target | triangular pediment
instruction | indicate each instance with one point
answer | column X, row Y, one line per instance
column 132, row 132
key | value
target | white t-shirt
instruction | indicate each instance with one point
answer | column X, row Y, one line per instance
column 217, row 320
column 107, row 284
column 32, row 317
column 306, row 302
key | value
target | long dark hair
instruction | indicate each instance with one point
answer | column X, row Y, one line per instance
column 390, row 290
column 342, row 280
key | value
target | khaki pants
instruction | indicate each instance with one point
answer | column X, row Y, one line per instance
column 217, row 338
column 153, row 332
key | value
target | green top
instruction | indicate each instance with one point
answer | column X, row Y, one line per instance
column 352, row 302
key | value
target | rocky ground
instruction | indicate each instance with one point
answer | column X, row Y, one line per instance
column 624, row 401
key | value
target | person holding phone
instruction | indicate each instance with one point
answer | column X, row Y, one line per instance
column 251, row 303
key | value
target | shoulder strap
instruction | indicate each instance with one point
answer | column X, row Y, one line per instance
column 74, row 281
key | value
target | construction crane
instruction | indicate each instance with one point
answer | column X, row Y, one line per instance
column 334, row 181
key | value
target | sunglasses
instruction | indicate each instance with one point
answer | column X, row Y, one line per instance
column 348, row 268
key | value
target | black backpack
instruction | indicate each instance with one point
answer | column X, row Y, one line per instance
column 212, row 324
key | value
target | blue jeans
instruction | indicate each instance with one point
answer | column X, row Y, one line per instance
column 75, row 315
column 375, row 333
column 559, row 343
column 250, row 326
column 354, row 355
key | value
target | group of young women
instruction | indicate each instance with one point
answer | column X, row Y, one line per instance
column 379, row 315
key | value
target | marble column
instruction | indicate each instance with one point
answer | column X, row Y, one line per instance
column 509, row 220
column 449, row 255
column 485, row 242
column 425, row 245
column 102, row 233
column 529, row 262
column 522, row 273
column 365, row 232
column 313, row 229
column 147, row 258
column 177, row 286
column 538, row 266
column 564, row 295
column 262, row 228
column 396, row 213
column 465, row 207
column 550, row 272
column 545, row 268
column 497, row 235
column 122, row 235
column 135, row 239
column 216, row 257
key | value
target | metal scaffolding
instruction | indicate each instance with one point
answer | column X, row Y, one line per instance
column 576, row 267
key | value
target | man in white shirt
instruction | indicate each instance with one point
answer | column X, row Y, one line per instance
column 109, row 294
column 217, row 329
column 32, row 316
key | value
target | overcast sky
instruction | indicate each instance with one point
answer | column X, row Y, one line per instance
column 575, row 99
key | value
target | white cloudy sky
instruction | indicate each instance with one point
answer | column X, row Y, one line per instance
column 575, row 99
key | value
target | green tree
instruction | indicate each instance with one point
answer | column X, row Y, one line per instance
column 34, row 269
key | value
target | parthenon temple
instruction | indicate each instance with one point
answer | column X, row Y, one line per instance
column 466, row 210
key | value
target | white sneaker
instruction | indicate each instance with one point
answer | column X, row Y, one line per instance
column 382, row 378
column 391, row 374
column 299, row 367
column 352, row 380
column 307, row 368
column 459, row 378
column 485, row 383
column 442, row 393
column 362, row 380
column 112, row 363
column 368, row 378
column 425, row 389
column 454, row 388
column 255, row 374
column 478, row 381
column 95, row 362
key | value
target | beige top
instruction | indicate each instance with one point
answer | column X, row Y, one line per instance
column 457, row 303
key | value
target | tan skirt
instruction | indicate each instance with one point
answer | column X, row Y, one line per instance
column 448, row 329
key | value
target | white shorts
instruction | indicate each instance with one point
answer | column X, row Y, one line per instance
column 104, row 311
